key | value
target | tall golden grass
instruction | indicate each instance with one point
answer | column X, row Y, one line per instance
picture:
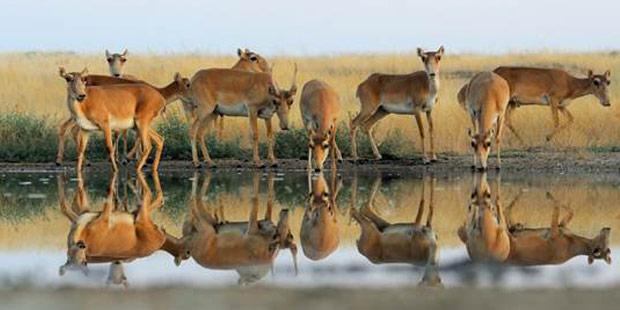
column 30, row 83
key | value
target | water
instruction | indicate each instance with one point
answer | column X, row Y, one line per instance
column 323, row 225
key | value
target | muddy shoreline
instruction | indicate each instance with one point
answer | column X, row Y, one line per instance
column 577, row 162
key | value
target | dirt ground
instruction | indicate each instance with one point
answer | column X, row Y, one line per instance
column 531, row 162
column 316, row 299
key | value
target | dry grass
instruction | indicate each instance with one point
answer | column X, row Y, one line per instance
column 30, row 84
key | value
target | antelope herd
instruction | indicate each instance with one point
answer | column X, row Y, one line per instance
column 122, row 102
column 119, row 103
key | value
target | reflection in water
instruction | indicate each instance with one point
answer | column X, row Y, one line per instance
column 555, row 244
column 249, row 247
column 111, row 235
column 412, row 242
column 320, row 231
column 491, row 235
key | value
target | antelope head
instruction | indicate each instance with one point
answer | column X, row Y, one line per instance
column 283, row 100
column 252, row 61
column 183, row 85
column 284, row 238
column 600, row 247
column 116, row 62
column 76, row 83
column 431, row 60
column 599, row 86
column 320, row 146
column 481, row 143
column 76, row 258
column 319, row 233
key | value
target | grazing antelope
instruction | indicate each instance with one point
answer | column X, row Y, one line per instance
column 554, row 88
column 237, row 93
column 414, row 243
column 486, row 98
column 555, row 244
column 117, row 107
column 110, row 236
column 320, row 231
column 320, row 106
column 409, row 94
column 485, row 232
column 248, row 247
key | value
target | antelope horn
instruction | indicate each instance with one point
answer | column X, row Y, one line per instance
column 294, row 81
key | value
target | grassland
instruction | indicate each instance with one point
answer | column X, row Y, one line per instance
column 32, row 101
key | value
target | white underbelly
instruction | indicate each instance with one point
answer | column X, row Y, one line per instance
column 398, row 107
column 85, row 124
column 119, row 123
column 237, row 109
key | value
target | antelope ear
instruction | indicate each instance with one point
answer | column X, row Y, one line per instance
column 62, row 270
column 293, row 90
column 470, row 133
column 590, row 74
column 178, row 77
column 608, row 259
column 62, row 72
column 607, row 74
column 84, row 71
column 178, row 260
column 590, row 259
column 273, row 90
column 125, row 52
column 491, row 132
column 420, row 52
column 441, row 50
column 107, row 54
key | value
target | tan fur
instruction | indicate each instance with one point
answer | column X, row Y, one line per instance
column 486, row 99
column 555, row 244
column 414, row 243
column 232, row 92
column 249, row 247
column 110, row 235
column 320, row 107
column 320, row 231
column 485, row 232
column 411, row 94
column 553, row 87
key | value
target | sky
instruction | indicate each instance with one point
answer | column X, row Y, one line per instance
column 276, row 27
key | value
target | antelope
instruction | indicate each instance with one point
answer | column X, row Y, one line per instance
column 118, row 107
column 554, row 88
column 320, row 106
column 320, row 231
column 486, row 99
column 555, row 244
column 110, row 235
column 409, row 94
column 116, row 64
column 485, row 232
column 248, row 247
column 237, row 93
column 414, row 243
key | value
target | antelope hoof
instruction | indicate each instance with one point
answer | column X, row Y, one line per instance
column 197, row 165
column 124, row 161
column 274, row 165
column 434, row 159
column 88, row 164
column 426, row 161
column 498, row 168
column 259, row 165
column 473, row 167
column 58, row 164
column 377, row 158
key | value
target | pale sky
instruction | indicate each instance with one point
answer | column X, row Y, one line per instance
column 308, row 27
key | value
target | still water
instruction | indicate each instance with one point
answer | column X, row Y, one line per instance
column 284, row 229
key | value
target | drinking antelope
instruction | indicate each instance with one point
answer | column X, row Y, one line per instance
column 554, row 88
column 110, row 235
column 248, row 247
column 237, row 93
column 320, row 106
column 486, row 98
column 117, row 107
column 485, row 232
column 320, row 231
column 409, row 94
column 555, row 244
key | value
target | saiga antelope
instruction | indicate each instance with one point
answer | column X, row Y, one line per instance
column 110, row 235
column 486, row 99
column 485, row 232
column 116, row 64
column 414, row 243
column 237, row 93
column 554, row 88
column 555, row 244
column 320, row 231
column 115, row 107
column 248, row 61
column 248, row 247
column 320, row 106
column 409, row 94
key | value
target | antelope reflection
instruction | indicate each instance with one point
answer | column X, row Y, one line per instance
column 555, row 244
column 320, row 232
column 111, row 235
column 412, row 242
column 249, row 247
